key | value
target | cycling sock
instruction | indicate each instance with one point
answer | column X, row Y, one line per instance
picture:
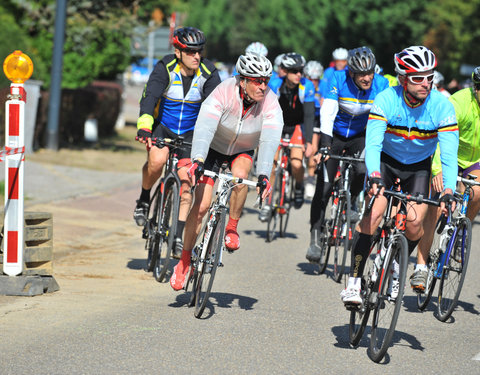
column 232, row 224
column 354, row 282
column 412, row 245
column 298, row 185
column 180, row 227
column 145, row 195
column 360, row 249
column 421, row 267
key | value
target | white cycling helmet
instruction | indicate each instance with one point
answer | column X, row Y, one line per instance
column 313, row 70
column 415, row 59
column 254, row 65
column 293, row 60
column 340, row 54
column 278, row 60
column 438, row 78
column 257, row 47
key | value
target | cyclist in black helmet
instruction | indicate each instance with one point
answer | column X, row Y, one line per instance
column 168, row 108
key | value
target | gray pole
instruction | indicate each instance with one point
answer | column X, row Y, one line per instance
column 56, row 73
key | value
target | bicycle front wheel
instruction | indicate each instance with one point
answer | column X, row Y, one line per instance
column 454, row 271
column 342, row 238
column 276, row 206
column 287, row 194
column 151, row 229
column 167, row 229
column 389, row 298
column 208, row 265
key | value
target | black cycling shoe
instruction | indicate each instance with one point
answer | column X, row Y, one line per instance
column 140, row 213
column 298, row 197
column 314, row 251
column 177, row 248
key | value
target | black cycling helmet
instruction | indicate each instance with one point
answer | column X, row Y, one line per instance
column 361, row 60
column 292, row 61
column 188, row 38
column 476, row 77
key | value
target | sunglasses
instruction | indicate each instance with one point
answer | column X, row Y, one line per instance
column 192, row 52
column 418, row 80
column 259, row 81
column 295, row 71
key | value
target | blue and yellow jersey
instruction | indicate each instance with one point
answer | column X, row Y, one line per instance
column 353, row 104
column 306, row 88
column 410, row 134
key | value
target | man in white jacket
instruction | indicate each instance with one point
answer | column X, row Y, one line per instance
column 239, row 115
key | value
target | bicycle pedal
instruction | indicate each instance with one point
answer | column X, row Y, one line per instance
column 353, row 306
column 220, row 264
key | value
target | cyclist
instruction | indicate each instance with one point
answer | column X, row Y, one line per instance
column 467, row 109
column 278, row 71
column 257, row 47
column 240, row 114
column 343, row 117
column 439, row 83
column 313, row 71
column 339, row 56
column 168, row 108
column 405, row 124
column 296, row 96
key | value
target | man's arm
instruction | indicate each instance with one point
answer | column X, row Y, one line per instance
column 376, row 127
column 154, row 88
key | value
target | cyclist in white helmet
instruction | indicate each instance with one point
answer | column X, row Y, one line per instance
column 439, row 83
column 257, row 47
column 278, row 71
column 339, row 56
column 313, row 71
column 239, row 115
column 405, row 124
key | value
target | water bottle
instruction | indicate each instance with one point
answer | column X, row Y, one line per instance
column 378, row 263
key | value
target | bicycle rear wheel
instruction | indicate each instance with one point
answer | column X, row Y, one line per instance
column 342, row 240
column 325, row 236
column 208, row 268
column 454, row 271
column 288, row 194
column 167, row 229
column 273, row 217
column 387, row 306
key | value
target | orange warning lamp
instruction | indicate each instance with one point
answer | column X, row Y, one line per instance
column 18, row 67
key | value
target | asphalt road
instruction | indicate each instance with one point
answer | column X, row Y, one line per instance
column 269, row 312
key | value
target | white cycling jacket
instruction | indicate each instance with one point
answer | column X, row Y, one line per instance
column 220, row 125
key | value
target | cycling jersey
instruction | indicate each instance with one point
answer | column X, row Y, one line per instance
column 327, row 76
column 316, row 128
column 293, row 104
column 165, row 99
column 353, row 104
column 410, row 134
column 467, row 111
column 222, row 126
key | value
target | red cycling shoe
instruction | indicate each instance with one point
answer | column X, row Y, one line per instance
column 177, row 281
column 232, row 240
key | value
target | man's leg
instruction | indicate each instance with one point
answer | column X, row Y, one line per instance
column 185, row 203
column 474, row 202
column 151, row 172
column 240, row 168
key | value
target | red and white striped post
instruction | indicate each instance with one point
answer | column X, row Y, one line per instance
column 18, row 68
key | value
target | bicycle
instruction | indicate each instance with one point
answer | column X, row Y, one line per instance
column 160, row 228
column 389, row 244
column 338, row 228
column 282, row 194
column 449, row 254
column 207, row 255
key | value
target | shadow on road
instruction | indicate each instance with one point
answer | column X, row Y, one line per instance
column 217, row 300
column 410, row 304
column 263, row 234
column 137, row 264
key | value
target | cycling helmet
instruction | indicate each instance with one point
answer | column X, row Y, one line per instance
column 415, row 59
column 340, row 54
column 361, row 60
column 278, row 60
column 313, row 70
column 378, row 69
column 188, row 38
column 438, row 78
column 254, row 65
column 476, row 76
column 257, row 47
column 293, row 60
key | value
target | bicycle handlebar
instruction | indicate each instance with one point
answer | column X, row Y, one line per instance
column 468, row 181
column 170, row 142
column 348, row 159
column 286, row 143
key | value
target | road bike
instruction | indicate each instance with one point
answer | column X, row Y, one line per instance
column 388, row 253
column 207, row 255
column 449, row 254
column 282, row 196
column 160, row 228
column 337, row 229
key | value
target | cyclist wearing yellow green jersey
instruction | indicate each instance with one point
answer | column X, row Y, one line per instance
column 467, row 109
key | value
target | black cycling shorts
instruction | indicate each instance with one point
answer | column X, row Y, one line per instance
column 414, row 178
column 215, row 160
column 161, row 131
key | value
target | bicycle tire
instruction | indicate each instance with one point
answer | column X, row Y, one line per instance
column 287, row 203
column 168, row 228
column 359, row 318
column 342, row 241
column 386, row 310
column 324, row 247
column 206, row 276
column 454, row 271
column 275, row 206
column 153, row 236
